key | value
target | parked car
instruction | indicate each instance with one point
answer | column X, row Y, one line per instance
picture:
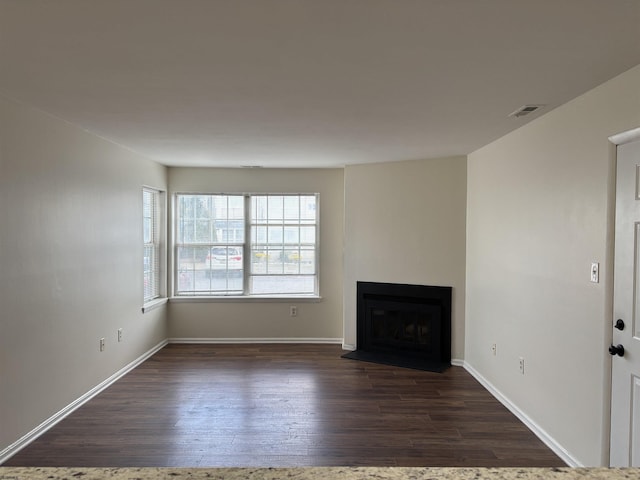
column 224, row 259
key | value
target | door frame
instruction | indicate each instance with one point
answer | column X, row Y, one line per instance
column 616, row 140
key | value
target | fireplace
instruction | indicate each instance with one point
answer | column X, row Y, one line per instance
column 404, row 325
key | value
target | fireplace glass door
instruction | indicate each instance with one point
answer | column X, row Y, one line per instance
column 403, row 327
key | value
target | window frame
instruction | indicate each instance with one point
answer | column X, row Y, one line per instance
column 157, row 243
column 247, row 250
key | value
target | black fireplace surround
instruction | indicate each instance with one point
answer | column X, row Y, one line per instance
column 404, row 325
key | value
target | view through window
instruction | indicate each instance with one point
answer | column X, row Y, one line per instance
column 246, row 245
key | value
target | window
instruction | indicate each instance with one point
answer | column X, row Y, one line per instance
column 152, row 243
column 283, row 244
column 210, row 238
column 246, row 245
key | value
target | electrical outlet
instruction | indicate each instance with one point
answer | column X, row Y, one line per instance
column 119, row 334
column 522, row 365
column 293, row 311
column 102, row 344
column 595, row 272
column 494, row 349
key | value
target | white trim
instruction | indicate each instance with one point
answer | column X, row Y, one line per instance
column 153, row 304
column 348, row 346
column 255, row 340
column 19, row 444
column 538, row 431
column 246, row 299
column 625, row 137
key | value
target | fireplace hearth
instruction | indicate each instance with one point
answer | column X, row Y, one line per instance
column 404, row 325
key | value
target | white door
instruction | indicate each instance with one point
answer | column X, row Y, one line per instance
column 625, row 385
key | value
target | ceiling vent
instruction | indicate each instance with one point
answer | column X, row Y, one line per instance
column 525, row 110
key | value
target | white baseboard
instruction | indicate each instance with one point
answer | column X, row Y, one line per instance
column 456, row 362
column 538, row 431
column 18, row 445
column 255, row 340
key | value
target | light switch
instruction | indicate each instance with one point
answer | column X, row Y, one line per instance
column 595, row 272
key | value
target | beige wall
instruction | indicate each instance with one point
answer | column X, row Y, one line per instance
column 405, row 223
column 70, row 265
column 539, row 212
column 270, row 319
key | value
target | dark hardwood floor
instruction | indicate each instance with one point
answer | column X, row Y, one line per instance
column 286, row 405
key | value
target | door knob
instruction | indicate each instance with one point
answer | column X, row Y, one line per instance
column 619, row 324
column 616, row 350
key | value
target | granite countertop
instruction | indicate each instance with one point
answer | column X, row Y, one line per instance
column 320, row 473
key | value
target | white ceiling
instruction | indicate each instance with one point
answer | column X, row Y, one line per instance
column 304, row 83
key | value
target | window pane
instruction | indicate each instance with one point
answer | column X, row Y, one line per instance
column 146, row 226
column 308, row 234
column 210, row 219
column 149, row 272
column 224, row 260
column 259, row 209
column 205, row 270
column 291, row 209
column 201, row 206
column 203, row 232
column 146, row 203
column 275, row 262
column 292, row 234
column 308, row 209
column 259, row 259
column 259, row 235
column 210, row 242
column 236, row 207
column 285, row 261
column 192, row 257
column 274, row 235
column 151, row 243
column 308, row 260
column 275, row 211
column 228, row 231
column 265, row 285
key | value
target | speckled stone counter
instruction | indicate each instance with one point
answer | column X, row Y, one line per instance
column 320, row 473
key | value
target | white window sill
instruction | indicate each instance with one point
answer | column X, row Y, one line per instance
column 153, row 304
column 247, row 299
